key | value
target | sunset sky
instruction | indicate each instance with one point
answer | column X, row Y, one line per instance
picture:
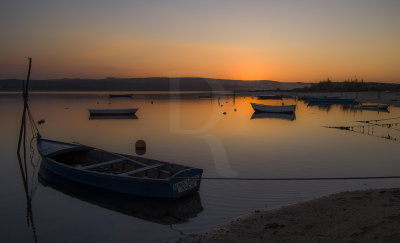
column 282, row 40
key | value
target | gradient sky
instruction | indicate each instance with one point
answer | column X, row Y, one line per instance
column 283, row 40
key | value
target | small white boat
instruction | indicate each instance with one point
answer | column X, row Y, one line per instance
column 113, row 112
column 273, row 109
column 371, row 107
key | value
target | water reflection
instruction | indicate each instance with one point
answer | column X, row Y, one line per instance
column 283, row 116
column 28, row 167
column 254, row 148
column 29, row 182
column 328, row 107
column 156, row 211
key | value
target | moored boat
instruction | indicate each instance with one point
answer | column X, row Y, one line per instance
column 383, row 107
column 120, row 95
column 269, row 97
column 127, row 174
column 273, row 109
column 113, row 112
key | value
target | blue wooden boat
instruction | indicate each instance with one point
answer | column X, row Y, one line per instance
column 127, row 174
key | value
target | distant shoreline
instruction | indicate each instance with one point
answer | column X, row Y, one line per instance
column 391, row 98
column 147, row 84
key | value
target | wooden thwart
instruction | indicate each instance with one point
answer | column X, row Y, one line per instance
column 101, row 164
column 142, row 169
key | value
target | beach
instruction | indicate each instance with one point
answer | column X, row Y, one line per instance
column 357, row 216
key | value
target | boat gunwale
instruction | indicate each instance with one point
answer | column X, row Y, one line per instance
column 286, row 106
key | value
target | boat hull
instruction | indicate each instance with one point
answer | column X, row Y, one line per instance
column 178, row 185
column 273, row 109
column 269, row 97
column 112, row 112
column 184, row 184
column 371, row 107
column 120, row 96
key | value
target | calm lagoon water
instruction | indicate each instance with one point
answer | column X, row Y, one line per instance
column 193, row 132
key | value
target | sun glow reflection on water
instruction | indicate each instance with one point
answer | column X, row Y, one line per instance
column 195, row 132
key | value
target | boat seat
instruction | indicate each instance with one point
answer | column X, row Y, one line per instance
column 141, row 169
column 100, row 164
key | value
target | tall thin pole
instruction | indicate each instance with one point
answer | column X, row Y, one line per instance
column 25, row 96
column 26, row 86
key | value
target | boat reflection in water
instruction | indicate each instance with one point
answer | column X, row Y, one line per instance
column 157, row 211
column 328, row 107
column 283, row 116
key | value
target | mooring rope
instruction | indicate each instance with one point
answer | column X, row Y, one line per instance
column 291, row 178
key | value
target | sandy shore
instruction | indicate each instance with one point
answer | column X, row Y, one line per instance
column 359, row 216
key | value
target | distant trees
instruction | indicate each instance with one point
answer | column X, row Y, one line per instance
column 347, row 85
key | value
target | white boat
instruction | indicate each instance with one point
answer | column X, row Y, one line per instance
column 273, row 109
column 112, row 112
column 372, row 107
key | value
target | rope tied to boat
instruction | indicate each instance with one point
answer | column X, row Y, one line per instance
column 292, row 178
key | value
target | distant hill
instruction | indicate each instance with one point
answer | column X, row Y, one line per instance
column 147, row 84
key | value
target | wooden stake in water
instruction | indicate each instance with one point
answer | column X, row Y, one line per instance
column 25, row 96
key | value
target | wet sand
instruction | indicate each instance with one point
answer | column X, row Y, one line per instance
column 358, row 216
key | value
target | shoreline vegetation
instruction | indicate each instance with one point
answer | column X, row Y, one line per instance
column 352, row 85
column 357, row 216
column 194, row 84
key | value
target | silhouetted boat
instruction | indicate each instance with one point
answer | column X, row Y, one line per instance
column 113, row 112
column 120, row 96
column 117, row 172
column 381, row 107
column 164, row 212
column 121, row 117
column 273, row 109
column 283, row 116
column 269, row 97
